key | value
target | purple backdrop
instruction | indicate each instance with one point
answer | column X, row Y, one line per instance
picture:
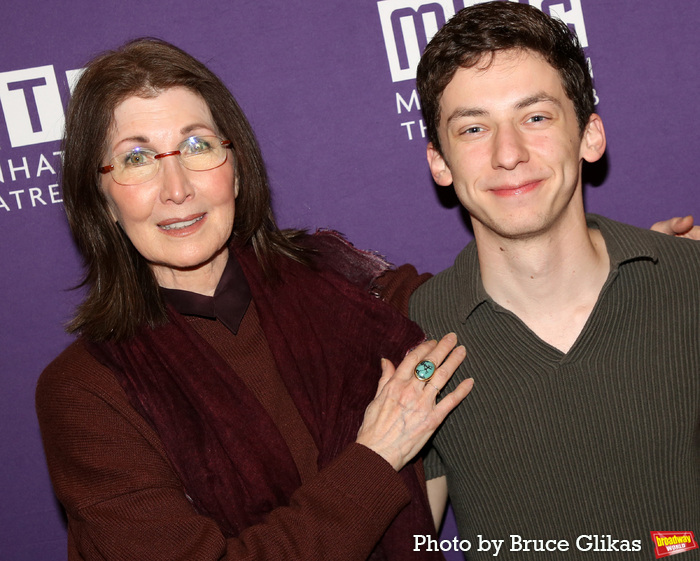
column 328, row 86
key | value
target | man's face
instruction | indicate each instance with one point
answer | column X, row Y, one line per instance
column 512, row 147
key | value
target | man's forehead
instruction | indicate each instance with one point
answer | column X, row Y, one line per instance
column 504, row 58
column 504, row 72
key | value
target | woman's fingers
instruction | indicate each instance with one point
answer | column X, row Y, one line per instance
column 432, row 351
column 444, row 371
column 387, row 372
column 454, row 398
column 404, row 414
column 407, row 367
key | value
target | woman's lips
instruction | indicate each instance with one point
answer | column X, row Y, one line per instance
column 182, row 226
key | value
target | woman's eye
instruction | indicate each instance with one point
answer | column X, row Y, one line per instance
column 197, row 145
column 136, row 158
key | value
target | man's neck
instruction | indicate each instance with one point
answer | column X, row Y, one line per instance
column 550, row 281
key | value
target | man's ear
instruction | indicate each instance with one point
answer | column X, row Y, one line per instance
column 438, row 167
column 593, row 142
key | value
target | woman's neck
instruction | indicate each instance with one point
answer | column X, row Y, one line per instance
column 202, row 279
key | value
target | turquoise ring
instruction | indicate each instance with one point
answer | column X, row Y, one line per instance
column 425, row 370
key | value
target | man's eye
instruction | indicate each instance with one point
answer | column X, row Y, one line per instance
column 537, row 119
column 472, row 130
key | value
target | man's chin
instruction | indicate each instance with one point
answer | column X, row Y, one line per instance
column 520, row 229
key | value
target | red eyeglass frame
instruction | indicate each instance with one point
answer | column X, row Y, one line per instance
column 110, row 167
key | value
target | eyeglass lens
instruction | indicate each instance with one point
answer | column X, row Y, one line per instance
column 197, row 153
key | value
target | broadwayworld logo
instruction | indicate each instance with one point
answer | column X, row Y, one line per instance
column 672, row 543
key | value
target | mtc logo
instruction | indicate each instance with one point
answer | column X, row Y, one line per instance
column 409, row 25
column 31, row 103
column 570, row 12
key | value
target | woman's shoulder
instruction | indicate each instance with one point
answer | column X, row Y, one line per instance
column 72, row 373
column 80, row 402
column 75, row 360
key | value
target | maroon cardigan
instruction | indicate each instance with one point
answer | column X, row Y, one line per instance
column 123, row 499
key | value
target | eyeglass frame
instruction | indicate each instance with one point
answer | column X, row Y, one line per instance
column 104, row 170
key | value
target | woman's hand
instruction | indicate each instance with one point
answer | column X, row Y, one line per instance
column 403, row 415
column 681, row 227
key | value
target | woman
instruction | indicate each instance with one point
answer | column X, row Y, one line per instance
column 225, row 398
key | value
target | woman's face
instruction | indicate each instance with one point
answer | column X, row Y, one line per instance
column 180, row 220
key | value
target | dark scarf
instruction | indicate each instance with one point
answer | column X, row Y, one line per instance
column 326, row 334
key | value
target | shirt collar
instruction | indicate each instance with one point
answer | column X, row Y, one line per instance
column 622, row 242
column 229, row 303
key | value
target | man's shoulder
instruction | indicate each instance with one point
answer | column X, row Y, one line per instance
column 453, row 288
column 665, row 269
column 465, row 265
column 631, row 241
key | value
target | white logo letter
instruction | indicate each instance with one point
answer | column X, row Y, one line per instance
column 573, row 16
column 408, row 26
column 32, row 105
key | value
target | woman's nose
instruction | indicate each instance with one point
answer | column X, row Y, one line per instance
column 176, row 186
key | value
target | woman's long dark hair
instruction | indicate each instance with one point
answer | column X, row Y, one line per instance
column 122, row 291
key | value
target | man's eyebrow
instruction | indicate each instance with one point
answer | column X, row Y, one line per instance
column 537, row 98
column 466, row 112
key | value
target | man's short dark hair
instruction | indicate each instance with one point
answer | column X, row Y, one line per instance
column 484, row 29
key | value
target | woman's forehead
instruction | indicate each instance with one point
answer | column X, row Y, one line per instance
column 169, row 113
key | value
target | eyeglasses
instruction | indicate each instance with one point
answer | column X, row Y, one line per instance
column 138, row 165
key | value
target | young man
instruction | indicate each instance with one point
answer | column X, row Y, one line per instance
column 583, row 428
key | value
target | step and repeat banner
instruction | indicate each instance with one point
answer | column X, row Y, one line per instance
column 329, row 88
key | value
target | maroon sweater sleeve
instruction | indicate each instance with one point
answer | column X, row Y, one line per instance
column 124, row 502
column 396, row 286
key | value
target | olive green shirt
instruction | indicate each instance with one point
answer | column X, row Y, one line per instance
column 603, row 440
